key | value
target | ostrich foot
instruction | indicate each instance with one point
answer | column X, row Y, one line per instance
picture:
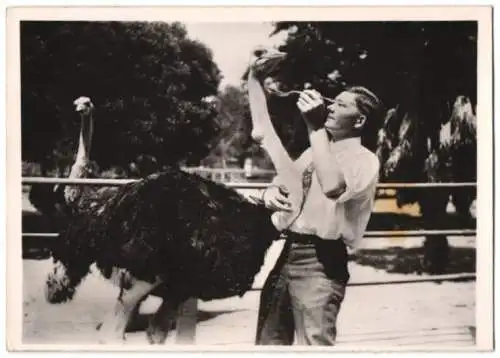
column 161, row 323
column 156, row 334
column 109, row 335
column 112, row 328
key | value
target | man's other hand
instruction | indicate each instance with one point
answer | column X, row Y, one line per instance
column 276, row 198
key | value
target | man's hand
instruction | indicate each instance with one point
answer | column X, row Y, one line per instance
column 312, row 108
column 276, row 198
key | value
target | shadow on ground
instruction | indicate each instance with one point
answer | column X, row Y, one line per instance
column 141, row 321
column 410, row 260
column 394, row 221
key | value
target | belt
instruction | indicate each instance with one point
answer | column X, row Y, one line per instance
column 305, row 238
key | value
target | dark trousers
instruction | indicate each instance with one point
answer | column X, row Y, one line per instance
column 303, row 293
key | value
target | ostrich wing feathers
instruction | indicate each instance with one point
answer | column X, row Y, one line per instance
column 203, row 239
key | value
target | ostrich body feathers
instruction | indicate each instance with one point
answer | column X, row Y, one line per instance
column 200, row 238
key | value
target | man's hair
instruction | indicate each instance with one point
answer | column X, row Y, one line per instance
column 367, row 102
column 371, row 106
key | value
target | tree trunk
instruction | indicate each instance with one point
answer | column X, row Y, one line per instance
column 43, row 170
column 436, row 247
column 436, row 254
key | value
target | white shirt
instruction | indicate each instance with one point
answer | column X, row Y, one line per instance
column 348, row 215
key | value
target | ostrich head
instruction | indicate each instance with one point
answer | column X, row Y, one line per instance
column 264, row 61
column 71, row 257
column 84, row 106
column 58, row 285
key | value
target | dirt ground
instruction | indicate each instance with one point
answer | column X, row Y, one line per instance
column 410, row 315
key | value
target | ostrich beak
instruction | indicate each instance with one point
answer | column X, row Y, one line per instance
column 267, row 59
column 82, row 104
column 271, row 57
column 80, row 107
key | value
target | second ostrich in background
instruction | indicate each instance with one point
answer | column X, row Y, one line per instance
column 62, row 202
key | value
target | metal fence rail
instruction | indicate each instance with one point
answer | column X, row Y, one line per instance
column 371, row 234
column 234, row 185
column 187, row 323
column 415, row 279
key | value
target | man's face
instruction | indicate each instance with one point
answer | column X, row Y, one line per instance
column 343, row 113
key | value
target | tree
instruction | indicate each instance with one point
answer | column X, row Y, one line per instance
column 148, row 81
column 234, row 127
column 234, row 140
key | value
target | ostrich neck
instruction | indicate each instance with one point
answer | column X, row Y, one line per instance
column 264, row 133
column 85, row 138
column 263, row 129
column 72, row 193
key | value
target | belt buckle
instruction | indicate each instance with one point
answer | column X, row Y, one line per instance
column 284, row 235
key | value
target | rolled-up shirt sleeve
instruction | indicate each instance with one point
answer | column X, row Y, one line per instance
column 360, row 175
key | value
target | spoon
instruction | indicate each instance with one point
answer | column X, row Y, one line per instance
column 273, row 89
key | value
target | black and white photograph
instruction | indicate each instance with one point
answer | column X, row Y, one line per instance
column 250, row 179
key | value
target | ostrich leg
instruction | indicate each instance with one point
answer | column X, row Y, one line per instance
column 115, row 323
column 162, row 322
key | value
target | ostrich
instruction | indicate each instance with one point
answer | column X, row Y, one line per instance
column 61, row 202
column 175, row 235
column 410, row 154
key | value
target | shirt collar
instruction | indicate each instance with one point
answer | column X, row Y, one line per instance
column 345, row 144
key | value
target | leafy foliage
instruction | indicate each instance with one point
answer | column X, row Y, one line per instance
column 417, row 67
column 234, row 142
column 147, row 80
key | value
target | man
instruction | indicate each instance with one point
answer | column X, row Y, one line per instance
column 303, row 294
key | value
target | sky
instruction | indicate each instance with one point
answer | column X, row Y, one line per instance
column 232, row 43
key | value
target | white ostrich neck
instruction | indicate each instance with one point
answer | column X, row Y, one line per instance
column 85, row 138
column 263, row 130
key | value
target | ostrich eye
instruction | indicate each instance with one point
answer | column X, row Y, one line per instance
column 259, row 52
